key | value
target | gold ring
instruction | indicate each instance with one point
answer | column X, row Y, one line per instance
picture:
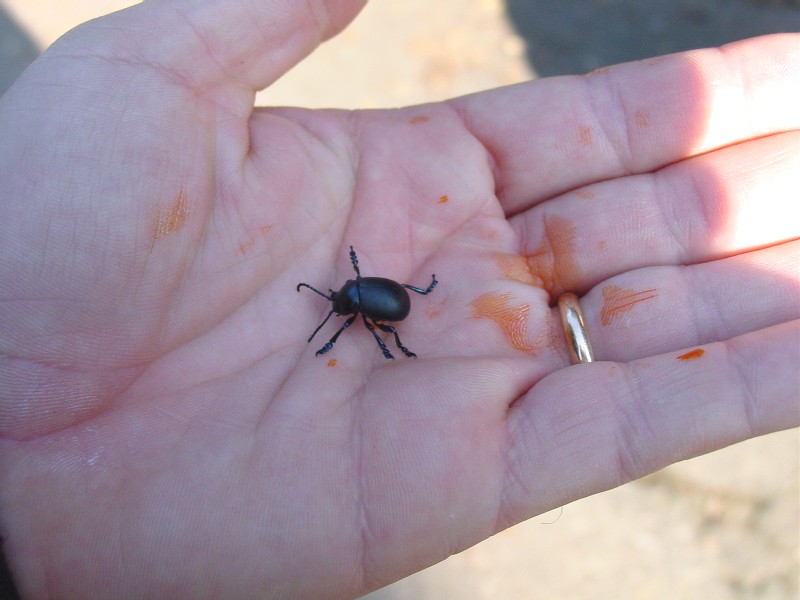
column 580, row 349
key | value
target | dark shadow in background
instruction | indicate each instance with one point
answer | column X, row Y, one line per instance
column 17, row 51
column 7, row 589
column 578, row 36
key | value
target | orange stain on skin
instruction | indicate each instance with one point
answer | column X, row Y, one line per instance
column 245, row 246
column 512, row 320
column 552, row 264
column 696, row 353
column 443, row 199
column 419, row 119
column 435, row 309
column 553, row 335
column 172, row 219
column 515, row 267
column 585, row 194
column 642, row 119
column 597, row 71
column 585, row 137
column 332, row 362
column 618, row 301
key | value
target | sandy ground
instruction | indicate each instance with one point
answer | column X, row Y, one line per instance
column 724, row 526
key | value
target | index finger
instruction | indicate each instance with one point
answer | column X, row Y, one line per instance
column 554, row 135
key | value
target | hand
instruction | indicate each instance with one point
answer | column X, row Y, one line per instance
column 166, row 430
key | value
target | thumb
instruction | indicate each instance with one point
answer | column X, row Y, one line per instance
column 209, row 44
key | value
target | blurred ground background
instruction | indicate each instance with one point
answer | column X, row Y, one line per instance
column 724, row 526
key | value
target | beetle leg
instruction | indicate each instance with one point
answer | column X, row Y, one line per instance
column 420, row 290
column 392, row 330
column 378, row 339
column 336, row 335
column 320, row 327
column 354, row 260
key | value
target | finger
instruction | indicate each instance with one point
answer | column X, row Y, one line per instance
column 659, row 309
column 204, row 45
column 593, row 427
column 700, row 209
column 554, row 135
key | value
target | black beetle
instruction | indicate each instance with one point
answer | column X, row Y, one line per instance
column 375, row 299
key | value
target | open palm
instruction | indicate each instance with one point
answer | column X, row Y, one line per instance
column 166, row 430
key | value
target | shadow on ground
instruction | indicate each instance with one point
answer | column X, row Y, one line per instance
column 583, row 35
column 17, row 51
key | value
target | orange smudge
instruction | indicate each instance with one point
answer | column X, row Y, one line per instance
column 552, row 264
column 597, row 71
column 419, row 119
column 696, row 353
column 443, row 199
column 617, row 301
column 245, row 246
column 512, row 320
column 585, row 194
column 332, row 362
column 515, row 267
column 171, row 220
column 553, row 334
column 642, row 119
column 434, row 309
column 585, row 137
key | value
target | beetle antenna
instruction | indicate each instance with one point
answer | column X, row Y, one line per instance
column 354, row 260
column 313, row 289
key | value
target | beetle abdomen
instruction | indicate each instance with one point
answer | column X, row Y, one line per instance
column 383, row 299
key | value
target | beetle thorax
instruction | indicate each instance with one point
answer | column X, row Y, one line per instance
column 346, row 301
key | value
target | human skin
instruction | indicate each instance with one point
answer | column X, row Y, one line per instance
column 165, row 429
